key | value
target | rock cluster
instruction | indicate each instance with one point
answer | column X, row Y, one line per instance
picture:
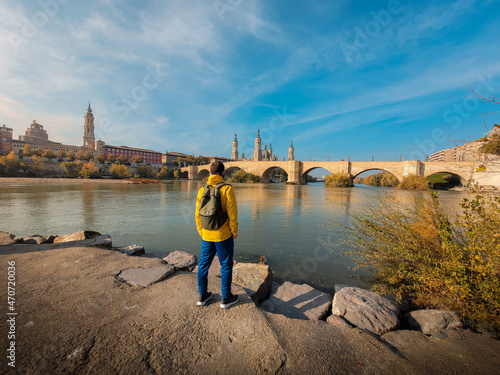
column 350, row 306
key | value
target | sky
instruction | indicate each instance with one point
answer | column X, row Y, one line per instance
column 359, row 79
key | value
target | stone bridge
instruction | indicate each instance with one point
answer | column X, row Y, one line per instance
column 298, row 170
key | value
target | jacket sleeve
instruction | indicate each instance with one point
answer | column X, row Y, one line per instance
column 197, row 212
column 232, row 210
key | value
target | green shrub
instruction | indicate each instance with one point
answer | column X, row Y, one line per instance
column 119, row 171
column 72, row 169
column 414, row 182
column 242, row 176
column 338, row 180
column 145, row 171
column 419, row 251
column 384, row 179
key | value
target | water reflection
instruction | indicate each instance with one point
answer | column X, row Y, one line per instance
column 297, row 228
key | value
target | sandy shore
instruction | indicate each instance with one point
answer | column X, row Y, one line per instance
column 30, row 180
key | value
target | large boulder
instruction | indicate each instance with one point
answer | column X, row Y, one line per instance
column 7, row 238
column 78, row 236
column 365, row 309
column 255, row 278
column 146, row 276
column 299, row 302
column 38, row 239
column 181, row 260
column 431, row 321
column 104, row 240
column 132, row 250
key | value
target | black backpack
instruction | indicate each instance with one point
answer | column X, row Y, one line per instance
column 212, row 216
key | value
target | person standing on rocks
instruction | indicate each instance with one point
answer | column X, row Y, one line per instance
column 217, row 224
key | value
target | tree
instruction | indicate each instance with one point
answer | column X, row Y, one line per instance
column 39, row 151
column 88, row 156
column 492, row 144
column 137, row 159
column 179, row 160
column 61, row 155
column 122, row 159
column 80, row 155
column 71, row 156
column 190, row 160
column 111, row 158
column 101, row 158
column 49, row 154
column 37, row 163
column 164, row 173
column 27, row 150
column 145, row 171
column 9, row 164
column 72, row 169
column 119, row 171
column 89, row 170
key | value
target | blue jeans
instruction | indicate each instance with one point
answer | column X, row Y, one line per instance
column 225, row 251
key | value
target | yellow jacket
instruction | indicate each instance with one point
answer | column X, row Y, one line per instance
column 228, row 201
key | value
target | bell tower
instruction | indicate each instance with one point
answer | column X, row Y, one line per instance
column 88, row 130
column 257, row 151
column 291, row 155
column 234, row 153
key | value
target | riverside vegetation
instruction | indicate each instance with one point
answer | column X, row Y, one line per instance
column 424, row 255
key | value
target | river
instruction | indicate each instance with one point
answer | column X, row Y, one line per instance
column 297, row 228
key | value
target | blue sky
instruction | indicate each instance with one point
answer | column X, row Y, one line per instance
column 340, row 78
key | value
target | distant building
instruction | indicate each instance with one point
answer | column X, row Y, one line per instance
column 37, row 137
column 153, row 158
column 35, row 133
column 259, row 154
column 466, row 152
column 5, row 140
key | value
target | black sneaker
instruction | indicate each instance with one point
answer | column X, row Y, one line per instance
column 204, row 298
column 226, row 302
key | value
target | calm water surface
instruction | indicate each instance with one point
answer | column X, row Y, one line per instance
column 297, row 228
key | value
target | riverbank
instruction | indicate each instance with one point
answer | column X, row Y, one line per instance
column 76, row 316
column 43, row 180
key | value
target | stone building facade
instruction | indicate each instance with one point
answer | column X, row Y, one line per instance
column 259, row 153
column 37, row 137
column 5, row 140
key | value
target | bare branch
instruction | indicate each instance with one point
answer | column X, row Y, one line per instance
column 492, row 99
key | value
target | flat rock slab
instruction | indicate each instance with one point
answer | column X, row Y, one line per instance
column 181, row 260
column 77, row 236
column 299, row 302
column 366, row 310
column 132, row 250
column 7, row 239
column 431, row 321
column 146, row 276
column 255, row 278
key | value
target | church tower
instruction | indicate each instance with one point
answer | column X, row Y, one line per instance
column 257, row 152
column 88, row 130
column 234, row 153
column 291, row 152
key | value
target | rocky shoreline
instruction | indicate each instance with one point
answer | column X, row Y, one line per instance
column 371, row 324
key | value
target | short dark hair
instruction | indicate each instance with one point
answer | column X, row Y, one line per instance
column 217, row 168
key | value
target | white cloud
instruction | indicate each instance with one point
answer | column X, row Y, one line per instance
column 162, row 120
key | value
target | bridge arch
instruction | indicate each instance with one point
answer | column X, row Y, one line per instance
column 398, row 178
column 202, row 174
column 265, row 176
column 463, row 180
column 304, row 174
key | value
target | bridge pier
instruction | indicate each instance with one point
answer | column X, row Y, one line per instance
column 192, row 172
column 413, row 167
column 294, row 172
